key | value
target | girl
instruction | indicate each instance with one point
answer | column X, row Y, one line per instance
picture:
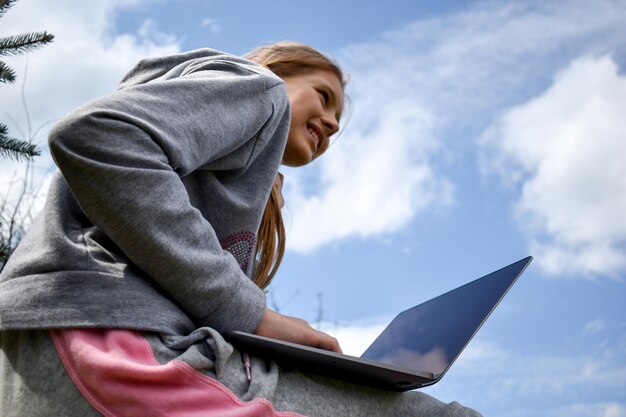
column 162, row 212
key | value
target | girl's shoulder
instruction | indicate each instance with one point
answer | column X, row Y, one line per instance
column 205, row 61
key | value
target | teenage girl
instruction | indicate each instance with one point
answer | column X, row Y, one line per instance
column 160, row 231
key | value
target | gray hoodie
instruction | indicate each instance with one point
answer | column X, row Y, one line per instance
column 151, row 222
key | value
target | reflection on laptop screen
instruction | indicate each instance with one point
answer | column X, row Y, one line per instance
column 430, row 336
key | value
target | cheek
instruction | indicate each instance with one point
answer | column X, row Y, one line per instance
column 289, row 147
column 296, row 115
column 296, row 152
column 297, row 125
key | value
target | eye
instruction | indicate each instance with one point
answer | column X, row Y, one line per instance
column 325, row 96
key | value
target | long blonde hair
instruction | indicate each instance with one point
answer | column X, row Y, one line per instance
column 283, row 59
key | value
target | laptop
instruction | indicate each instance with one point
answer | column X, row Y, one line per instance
column 415, row 350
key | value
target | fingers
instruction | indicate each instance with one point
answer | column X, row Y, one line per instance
column 328, row 342
column 315, row 338
column 296, row 330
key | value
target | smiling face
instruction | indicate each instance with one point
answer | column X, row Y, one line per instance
column 316, row 99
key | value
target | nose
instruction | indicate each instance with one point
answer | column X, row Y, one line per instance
column 330, row 123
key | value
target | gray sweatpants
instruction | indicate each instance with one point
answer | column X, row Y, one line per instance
column 35, row 382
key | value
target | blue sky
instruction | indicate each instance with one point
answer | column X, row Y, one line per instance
column 480, row 132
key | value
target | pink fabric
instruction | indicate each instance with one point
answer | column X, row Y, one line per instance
column 116, row 371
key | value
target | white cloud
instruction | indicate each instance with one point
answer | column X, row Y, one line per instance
column 86, row 59
column 594, row 327
column 354, row 338
column 550, row 381
column 212, row 24
column 374, row 180
column 611, row 409
column 419, row 92
column 492, row 376
column 566, row 148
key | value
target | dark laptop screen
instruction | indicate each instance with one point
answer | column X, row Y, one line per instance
column 430, row 336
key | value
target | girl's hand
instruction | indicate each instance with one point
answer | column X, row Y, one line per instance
column 295, row 330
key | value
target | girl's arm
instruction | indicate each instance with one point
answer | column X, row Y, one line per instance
column 123, row 157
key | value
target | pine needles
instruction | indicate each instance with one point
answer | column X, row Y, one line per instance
column 10, row 46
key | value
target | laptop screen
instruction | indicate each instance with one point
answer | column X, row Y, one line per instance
column 430, row 336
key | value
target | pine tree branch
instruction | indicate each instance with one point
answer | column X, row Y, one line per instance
column 17, row 149
column 5, row 5
column 18, row 44
column 7, row 75
column 4, row 130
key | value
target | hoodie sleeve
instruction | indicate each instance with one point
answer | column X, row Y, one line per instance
column 123, row 157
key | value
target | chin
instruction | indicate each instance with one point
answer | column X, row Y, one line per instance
column 298, row 159
column 296, row 163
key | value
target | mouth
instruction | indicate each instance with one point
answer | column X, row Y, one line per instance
column 317, row 135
